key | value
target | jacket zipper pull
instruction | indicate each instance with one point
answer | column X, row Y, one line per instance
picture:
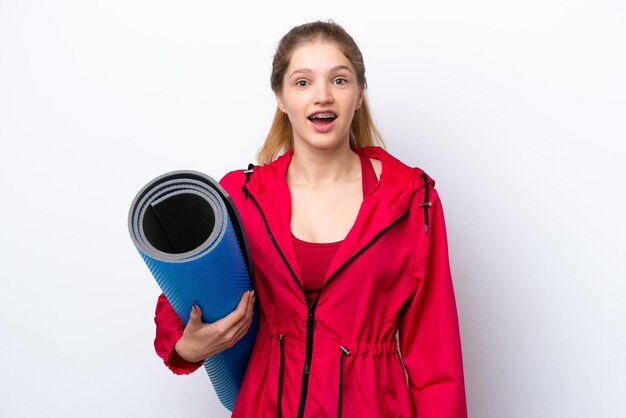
column 344, row 352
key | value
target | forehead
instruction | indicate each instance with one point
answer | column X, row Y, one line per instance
column 317, row 56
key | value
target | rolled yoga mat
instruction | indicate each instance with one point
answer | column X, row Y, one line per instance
column 189, row 233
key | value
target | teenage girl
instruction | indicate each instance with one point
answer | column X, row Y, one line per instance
column 351, row 271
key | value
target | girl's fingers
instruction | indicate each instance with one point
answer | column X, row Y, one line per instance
column 239, row 313
column 195, row 316
column 247, row 317
column 250, row 306
column 225, row 332
column 241, row 328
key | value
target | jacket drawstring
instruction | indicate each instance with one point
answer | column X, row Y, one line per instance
column 426, row 203
column 280, row 377
column 344, row 352
column 248, row 173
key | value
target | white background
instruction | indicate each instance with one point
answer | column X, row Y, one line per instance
column 517, row 109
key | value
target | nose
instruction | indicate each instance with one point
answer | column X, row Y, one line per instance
column 323, row 93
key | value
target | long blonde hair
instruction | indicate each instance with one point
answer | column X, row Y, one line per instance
column 363, row 131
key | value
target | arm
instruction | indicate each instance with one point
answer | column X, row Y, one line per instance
column 169, row 329
column 429, row 331
column 184, row 348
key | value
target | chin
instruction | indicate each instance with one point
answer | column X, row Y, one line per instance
column 326, row 143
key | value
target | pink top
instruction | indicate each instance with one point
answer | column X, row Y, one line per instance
column 314, row 257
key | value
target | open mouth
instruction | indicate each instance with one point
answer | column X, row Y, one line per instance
column 322, row 118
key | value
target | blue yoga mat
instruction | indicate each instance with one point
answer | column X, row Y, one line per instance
column 189, row 233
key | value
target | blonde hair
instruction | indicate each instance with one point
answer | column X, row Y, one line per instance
column 363, row 131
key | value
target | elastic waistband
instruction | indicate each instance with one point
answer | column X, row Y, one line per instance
column 325, row 343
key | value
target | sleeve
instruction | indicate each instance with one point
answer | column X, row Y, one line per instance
column 169, row 329
column 429, row 334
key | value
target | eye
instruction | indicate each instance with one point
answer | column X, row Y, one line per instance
column 340, row 81
column 302, row 83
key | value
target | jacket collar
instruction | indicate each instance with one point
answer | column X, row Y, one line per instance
column 385, row 203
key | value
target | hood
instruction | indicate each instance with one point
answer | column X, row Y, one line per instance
column 387, row 202
column 397, row 181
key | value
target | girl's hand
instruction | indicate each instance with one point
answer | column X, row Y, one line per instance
column 201, row 340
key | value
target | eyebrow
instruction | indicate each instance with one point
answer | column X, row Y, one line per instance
column 334, row 69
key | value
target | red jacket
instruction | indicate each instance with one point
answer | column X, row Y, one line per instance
column 340, row 357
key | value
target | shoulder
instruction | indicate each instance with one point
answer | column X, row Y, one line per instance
column 233, row 179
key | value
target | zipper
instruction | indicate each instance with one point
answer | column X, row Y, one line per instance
column 310, row 323
column 279, row 400
column 311, row 318
column 269, row 232
column 344, row 352
column 310, row 331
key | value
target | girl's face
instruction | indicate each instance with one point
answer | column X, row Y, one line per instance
column 320, row 94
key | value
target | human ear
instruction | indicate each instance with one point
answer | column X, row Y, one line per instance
column 359, row 100
column 280, row 102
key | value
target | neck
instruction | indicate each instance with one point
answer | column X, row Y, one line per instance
column 323, row 167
